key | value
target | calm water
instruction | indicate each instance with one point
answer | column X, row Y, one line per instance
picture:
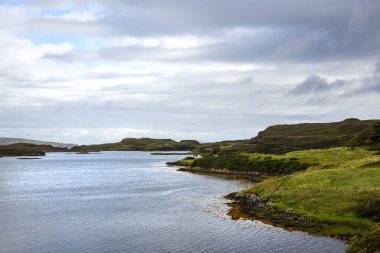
column 128, row 202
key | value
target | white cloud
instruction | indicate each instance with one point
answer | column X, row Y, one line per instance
column 96, row 71
column 166, row 42
column 74, row 16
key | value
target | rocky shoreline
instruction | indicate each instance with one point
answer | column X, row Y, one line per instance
column 252, row 207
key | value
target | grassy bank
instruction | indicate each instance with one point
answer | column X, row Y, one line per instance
column 170, row 153
column 342, row 189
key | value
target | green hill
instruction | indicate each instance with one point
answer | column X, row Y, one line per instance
column 226, row 147
column 9, row 141
column 21, row 149
column 286, row 138
column 280, row 139
column 141, row 144
column 276, row 139
column 28, row 149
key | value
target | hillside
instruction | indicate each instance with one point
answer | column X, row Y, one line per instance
column 28, row 149
column 141, row 144
column 276, row 139
column 280, row 139
column 21, row 149
column 8, row 141
column 286, row 138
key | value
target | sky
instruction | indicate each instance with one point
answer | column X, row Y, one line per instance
column 86, row 72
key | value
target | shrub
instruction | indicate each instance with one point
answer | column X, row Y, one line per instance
column 375, row 136
column 370, row 209
column 244, row 164
column 368, row 243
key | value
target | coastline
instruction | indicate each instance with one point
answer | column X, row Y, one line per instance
column 250, row 176
column 251, row 207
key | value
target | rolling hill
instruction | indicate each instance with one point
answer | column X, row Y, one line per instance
column 286, row 138
column 141, row 144
column 8, row 141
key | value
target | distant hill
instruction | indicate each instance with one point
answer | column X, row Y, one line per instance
column 279, row 139
column 141, row 144
column 8, row 141
column 285, row 138
column 275, row 140
column 226, row 147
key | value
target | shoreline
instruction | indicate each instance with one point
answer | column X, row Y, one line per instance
column 251, row 207
column 253, row 177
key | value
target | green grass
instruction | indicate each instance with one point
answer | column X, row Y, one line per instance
column 332, row 156
column 183, row 162
column 330, row 191
column 170, row 153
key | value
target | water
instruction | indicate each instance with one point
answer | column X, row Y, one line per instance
column 128, row 202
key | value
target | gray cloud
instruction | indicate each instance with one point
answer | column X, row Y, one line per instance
column 377, row 71
column 96, row 71
column 314, row 30
column 368, row 85
column 316, row 86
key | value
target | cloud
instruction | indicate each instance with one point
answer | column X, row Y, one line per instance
column 296, row 46
column 377, row 71
column 313, row 30
column 210, row 69
column 317, row 86
column 368, row 85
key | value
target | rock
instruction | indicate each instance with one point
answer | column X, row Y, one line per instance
column 289, row 211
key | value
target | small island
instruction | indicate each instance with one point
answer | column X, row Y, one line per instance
column 21, row 149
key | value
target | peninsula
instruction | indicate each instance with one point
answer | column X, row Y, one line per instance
column 322, row 178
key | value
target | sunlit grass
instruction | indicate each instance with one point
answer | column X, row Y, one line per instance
column 330, row 191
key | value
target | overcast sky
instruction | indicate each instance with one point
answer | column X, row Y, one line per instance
column 98, row 71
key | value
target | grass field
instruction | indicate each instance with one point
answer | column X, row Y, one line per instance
column 335, row 189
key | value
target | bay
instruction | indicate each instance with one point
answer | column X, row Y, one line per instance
column 129, row 202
